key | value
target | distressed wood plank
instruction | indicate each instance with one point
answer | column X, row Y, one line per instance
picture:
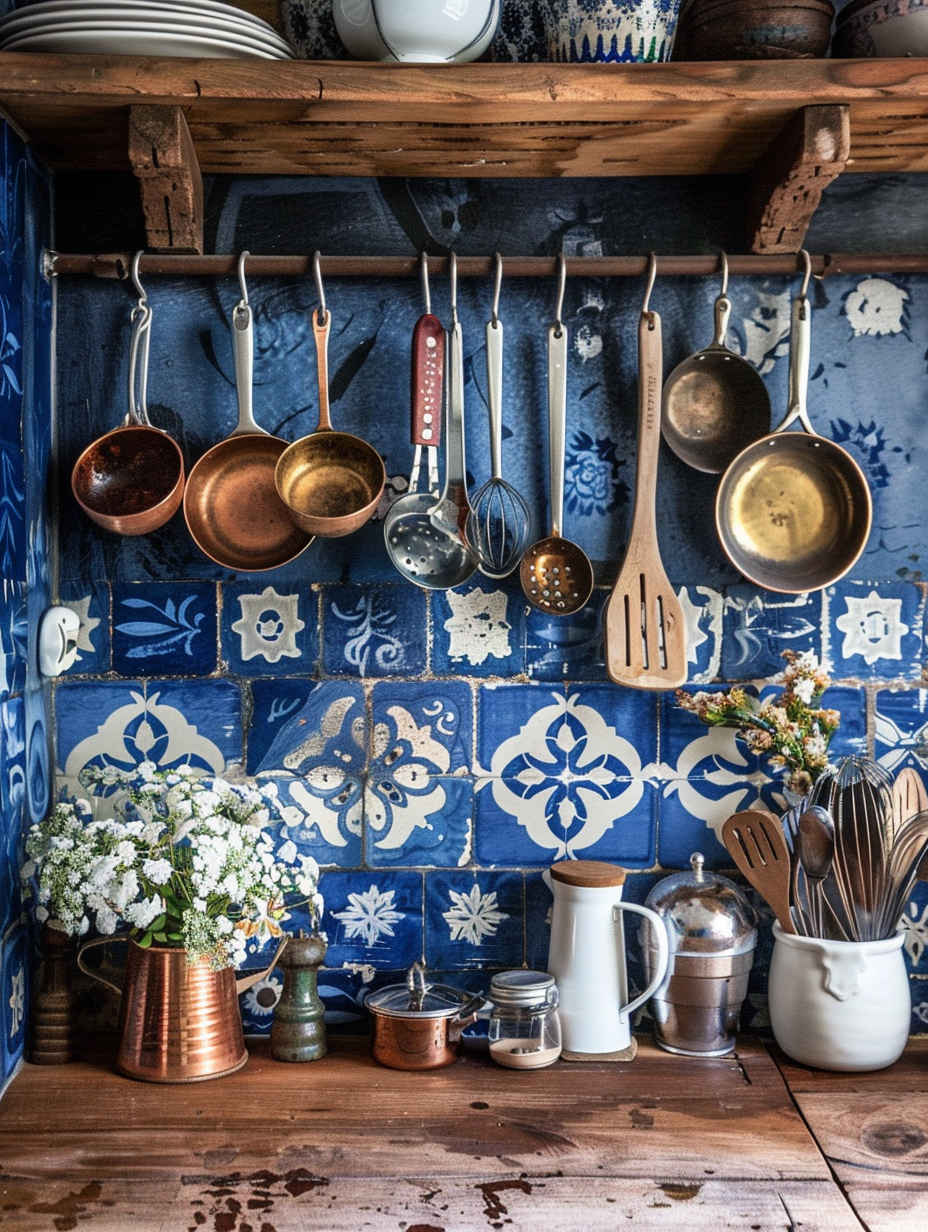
column 297, row 1201
column 165, row 164
column 789, row 182
column 663, row 1116
column 337, row 118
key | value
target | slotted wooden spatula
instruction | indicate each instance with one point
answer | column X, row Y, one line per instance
column 909, row 797
column 645, row 628
column 756, row 843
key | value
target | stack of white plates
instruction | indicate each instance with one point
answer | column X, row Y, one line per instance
column 201, row 28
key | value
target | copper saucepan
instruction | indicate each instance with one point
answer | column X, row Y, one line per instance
column 418, row 1025
column 131, row 480
column 793, row 510
column 231, row 504
column 331, row 482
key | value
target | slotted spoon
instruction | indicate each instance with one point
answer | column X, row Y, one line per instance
column 644, row 624
column 756, row 843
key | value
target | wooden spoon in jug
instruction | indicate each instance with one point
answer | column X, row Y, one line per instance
column 756, row 843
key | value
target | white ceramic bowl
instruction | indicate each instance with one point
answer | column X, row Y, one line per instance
column 417, row 31
column 887, row 28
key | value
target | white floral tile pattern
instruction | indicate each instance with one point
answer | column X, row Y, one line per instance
column 875, row 631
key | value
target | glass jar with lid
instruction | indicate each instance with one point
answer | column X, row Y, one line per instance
column 525, row 1031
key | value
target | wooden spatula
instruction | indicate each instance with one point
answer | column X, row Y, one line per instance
column 909, row 797
column 645, row 628
column 756, row 843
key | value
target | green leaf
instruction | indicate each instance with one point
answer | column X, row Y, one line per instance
column 145, row 941
column 161, row 938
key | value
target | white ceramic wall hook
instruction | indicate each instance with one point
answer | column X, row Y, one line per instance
column 58, row 630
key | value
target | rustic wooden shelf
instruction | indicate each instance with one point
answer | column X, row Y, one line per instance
column 337, row 118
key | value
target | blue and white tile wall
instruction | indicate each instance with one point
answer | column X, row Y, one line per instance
column 446, row 747
column 25, row 560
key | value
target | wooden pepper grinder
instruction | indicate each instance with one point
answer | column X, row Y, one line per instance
column 54, row 1005
column 298, row 1029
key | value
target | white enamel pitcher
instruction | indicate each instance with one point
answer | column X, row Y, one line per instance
column 587, row 955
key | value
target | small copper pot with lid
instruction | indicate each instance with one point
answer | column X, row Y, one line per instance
column 418, row 1025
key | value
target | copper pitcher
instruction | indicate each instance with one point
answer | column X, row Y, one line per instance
column 178, row 1022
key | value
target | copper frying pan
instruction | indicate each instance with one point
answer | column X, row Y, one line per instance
column 331, row 482
column 231, row 504
column 793, row 510
column 131, row 480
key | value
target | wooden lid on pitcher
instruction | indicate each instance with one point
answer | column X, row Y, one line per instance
column 590, row 873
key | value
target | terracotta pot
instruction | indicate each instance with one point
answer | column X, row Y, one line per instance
column 754, row 30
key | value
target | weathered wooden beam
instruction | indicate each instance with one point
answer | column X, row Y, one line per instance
column 165, row 163
column 789, row 182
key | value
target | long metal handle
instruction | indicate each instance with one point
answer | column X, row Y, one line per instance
column 455, row 462
column 138, row 366
column 243, row 355
column 800, row 349
column 663, row 953
column 722, row 314
column 321, row 334
column 557, row 422
column 495, row 394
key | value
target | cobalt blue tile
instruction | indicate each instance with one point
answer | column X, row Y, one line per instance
column 759, row 625
column 323, row 813
column 919, row 989
column 876, row 630
column 900, row 729
column 474, row 920
column 12, row 502
column 566, row 647
column 14, row 993
column 851, row 704
column 681, row 831
column 13, row 638
column 12, row 803
column 507, row 710
column 539, row 902
column 373, row 918
column 915, row 926
column 703, row 609
column 374, row 630
column 343, row 992
column 417, row 820
column 423, row 724
column 268, row 631
column 91, row 602
column 298, row 726
column 164, row 628
column 123, row 723
column 535, row 821
column 478, row 630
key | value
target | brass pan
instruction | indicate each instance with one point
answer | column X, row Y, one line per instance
column 231, row 505
column 331, row 482
column 793, row 510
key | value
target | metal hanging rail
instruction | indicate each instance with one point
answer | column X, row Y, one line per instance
column 118, row 265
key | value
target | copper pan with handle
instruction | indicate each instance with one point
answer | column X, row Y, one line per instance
column 793, row 510
column 231, row 504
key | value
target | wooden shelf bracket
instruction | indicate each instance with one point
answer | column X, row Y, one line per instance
column 789, row 183
column 165, row 163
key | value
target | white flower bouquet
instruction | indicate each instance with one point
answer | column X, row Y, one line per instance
column 186, row 860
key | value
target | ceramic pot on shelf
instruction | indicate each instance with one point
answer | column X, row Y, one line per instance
column 309, row 28
column 610, row 31
column 839, row 1005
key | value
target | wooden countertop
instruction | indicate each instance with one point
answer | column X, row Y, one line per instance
column 344, row 1144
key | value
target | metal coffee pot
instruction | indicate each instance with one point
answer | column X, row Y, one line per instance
column 710, row 929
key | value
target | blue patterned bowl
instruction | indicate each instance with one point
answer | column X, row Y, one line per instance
column 882, row 28
column 610, row 31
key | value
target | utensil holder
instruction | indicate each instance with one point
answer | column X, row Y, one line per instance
column 839, row 1005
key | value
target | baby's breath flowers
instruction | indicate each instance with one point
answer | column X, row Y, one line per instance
column 791, row 731
column 187, row 860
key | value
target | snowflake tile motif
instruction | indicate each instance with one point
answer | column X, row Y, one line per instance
column 14, row 994
column 901, row 730
column 297, row 726
column 758, row 626
column 323, row 813
column 92, row 605
column 875, row 631
column 269, row 633
column 478, row 630
column 566, row 647
column 373, row 918
column 373, row 630
column 170, row 723
column 423, row 822
column 164, row 628
column 568, row 778
column 14, row 637
column 474, row 920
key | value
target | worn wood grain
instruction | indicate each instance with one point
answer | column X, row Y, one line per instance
column 165, row 164
column 337, row 118
column 348, row 1117
column 298, row 1200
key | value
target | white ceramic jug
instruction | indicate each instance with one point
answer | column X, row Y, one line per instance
column 587, row 955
